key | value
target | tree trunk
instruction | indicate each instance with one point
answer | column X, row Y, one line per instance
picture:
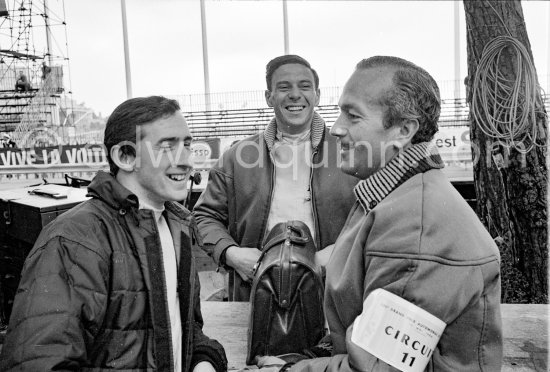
column 511, row 195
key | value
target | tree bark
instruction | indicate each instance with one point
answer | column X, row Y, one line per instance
column 512, row 197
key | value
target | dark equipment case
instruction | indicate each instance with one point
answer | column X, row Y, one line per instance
column 22, row 217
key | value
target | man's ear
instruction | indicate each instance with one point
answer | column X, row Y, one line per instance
column 407, row 130
column 268, row 98
column 318, row 99
column 123, row 160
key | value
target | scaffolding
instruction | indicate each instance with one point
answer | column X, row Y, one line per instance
column 33, row 59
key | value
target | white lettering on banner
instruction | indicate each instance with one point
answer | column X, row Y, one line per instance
column 6, row 158
column 96, row 154
column 71, row 155
column 93, row 156
column 18, row 158
column 21, row 157
column 31, row 157
column 50, row 157
column 85, row 155
column 396, row 331
column 82, row 156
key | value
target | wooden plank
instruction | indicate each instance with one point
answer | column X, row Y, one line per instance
column 227, row 322
column 525, row 331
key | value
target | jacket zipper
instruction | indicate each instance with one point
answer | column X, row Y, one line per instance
column 266, row 216
column 313, row 206
column 157, row 240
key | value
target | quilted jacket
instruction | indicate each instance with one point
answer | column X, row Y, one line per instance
column 92, row 292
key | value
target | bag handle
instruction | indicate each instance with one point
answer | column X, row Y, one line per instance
column 300, row 238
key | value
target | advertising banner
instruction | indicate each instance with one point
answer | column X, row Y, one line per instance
column 93, row 155
column 453, row 144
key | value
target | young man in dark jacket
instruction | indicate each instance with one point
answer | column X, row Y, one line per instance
column 287, row 172
column 111, row 284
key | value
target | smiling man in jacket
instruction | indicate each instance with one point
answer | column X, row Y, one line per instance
column 111, row 284
column 287, row 172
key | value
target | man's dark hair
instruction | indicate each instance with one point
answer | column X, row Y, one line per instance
column 287, row 59
column 121, row 125
column 415, row 95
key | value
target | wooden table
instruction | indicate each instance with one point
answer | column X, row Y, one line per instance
column 525, row 329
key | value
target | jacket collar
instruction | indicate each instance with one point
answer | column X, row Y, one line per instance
column 105, row 187
column 418, row 158
column 317, row 131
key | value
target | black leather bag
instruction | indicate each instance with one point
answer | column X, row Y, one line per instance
column 287, row 294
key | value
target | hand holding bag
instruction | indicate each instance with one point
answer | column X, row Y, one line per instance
column 287, row 294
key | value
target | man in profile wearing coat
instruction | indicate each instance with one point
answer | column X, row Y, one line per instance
column 413, row 261
column 111, row 284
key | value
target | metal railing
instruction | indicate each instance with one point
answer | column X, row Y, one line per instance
column 238, row 100
column 40, row 113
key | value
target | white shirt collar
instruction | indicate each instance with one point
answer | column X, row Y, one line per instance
column 292, row 138
column 156, row 211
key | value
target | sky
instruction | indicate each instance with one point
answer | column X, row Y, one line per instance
column 165, row 43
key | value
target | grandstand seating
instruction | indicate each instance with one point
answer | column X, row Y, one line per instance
column 245, row 122
column 16, row 107
column 12, row 105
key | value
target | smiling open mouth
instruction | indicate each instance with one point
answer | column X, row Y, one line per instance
column 177, row 177
column 295, row 108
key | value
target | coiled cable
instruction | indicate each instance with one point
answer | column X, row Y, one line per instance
column 504, row 109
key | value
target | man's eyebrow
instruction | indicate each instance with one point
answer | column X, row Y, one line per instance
column 283, row 82
column 169, row 139
column 346, row 107
column 175, row 139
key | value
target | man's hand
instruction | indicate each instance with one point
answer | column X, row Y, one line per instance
column 265, row 363
column 204, row 367
column 242, row 259
column 322, row 256
column 269, row 363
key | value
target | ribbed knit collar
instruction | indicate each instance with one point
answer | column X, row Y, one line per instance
column 418, row 158
column 317, row 130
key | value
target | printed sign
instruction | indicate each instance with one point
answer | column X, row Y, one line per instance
column 397, row 331
column 93, row 155
column 43, row 157
column 201, row 152
column 454, row 144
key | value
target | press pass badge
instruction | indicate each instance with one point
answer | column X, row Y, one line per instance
column 397, row 331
